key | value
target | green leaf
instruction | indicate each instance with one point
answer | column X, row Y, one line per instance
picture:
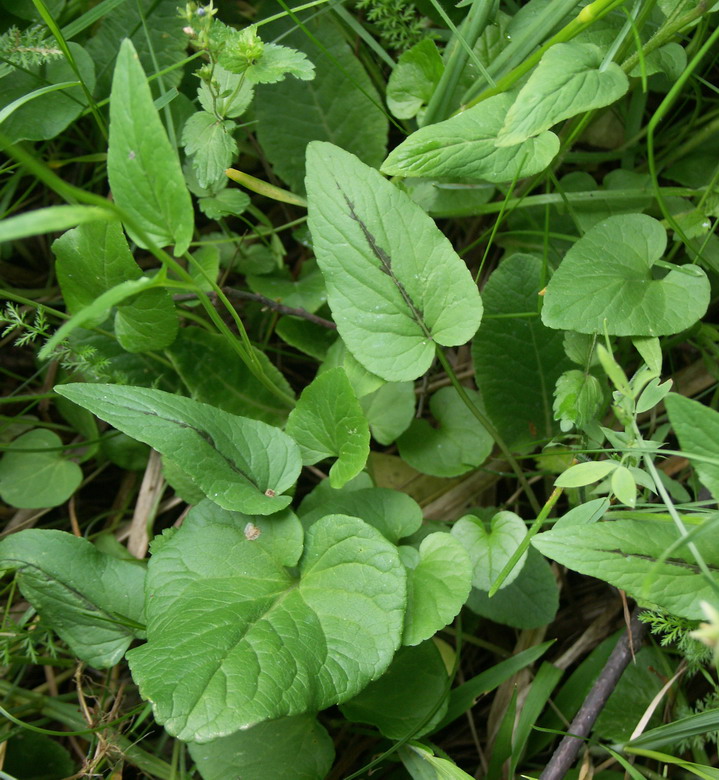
column 530, row 601
column 517, row 360
column 232, row 97
column 490, row 547
column 464, row 148
column 626, row 554
column 307, row 292
column 623, row 486
column 606, row 277
column 143, row 169
column 458, row 445
column 585, row 473
column 651, row 351
column 240, row 464
column 389, row 410
column 227, row 203
column 422, row 765
column 568, row 81
column 438, row 583
column 51, row 219
column 328, row 421
column 87, row 597
column 341, row 105
column 148, row 322
column 32, row 756
column 578, row 397
column 414, row 79
column 39, row 478
column 395, row 285
column 697, row 428
column 409, row 699
column 234, row 639
column 205, row 267
column 297, row 748
column 395, row 515
column 210, row 142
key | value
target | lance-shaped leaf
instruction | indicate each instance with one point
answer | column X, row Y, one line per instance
column 464, row 147
column 328, row 420
column 642, row 557
column 235, row 639
column 92, row 600
column 395, row 285
column 567, row 82
column 143, row 168
column 240, row 464
column 607, row 277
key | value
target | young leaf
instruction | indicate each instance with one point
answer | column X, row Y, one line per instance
column 438, row 583
column 395, row 285
column 585, row 473
column 409, row 699
column 234, row 639
column 458, row 445
column 491, row 547
column 568, row 81
column 606, row 277
column 518, row 398
column 144, row 172
column 464, row 147
column 623, row 486
column 240, row 464
column 297, row 748
column 209, row 140
column 414, row 79
column 41, row 476
column 578, row 397
column 697, row 428
column 87, row 597
column 327, row 421
column 233, row 94
column 625, row 553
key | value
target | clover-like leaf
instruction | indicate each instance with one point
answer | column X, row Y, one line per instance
column 606, row 279
column 235, row 639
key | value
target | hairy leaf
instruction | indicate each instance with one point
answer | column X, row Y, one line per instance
column 209, row 140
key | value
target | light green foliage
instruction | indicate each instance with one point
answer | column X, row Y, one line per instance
column 328, row 421
column 578, row 397
column 642, row 557
column 91, row 599
column 439, row 579
column 389, row 410
column 340, row 105
column 605, row 280
column 697, row 427
column 586, row 473
column 296, row 748
column 409, row 699
column 412, row 82
column 227, row 95
column 423, row 765
column 210, row 143
column 567, row 82
column 271, row 645
column 464, row 148
column 227, row 202
column 143, row 169
column 624, row 486
column 490, row 546
column 239, row 463
column 205, row 265
column 529, row 356
column 670, row 60
column 394, row 283
column 459, row 444
column 40, row 477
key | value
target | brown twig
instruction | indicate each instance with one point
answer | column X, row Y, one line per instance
column 568, row 749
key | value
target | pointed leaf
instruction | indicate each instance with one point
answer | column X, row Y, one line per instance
column 465, row 148
column 144, row 172
column 240, row 464
column 607, row 277
column 234, row 639
column 422, row 765
column 395, row 285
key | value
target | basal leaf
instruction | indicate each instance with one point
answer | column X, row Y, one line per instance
column 414, row 79
column 437, row 586
column 297, row 748
column 210, row 143
column 239, row 463
column 465, row 148
column 143, row 168
column 697, row 428
column 41, row 476
column 328, row 421
column 394, row 283
column 607, row 277
column 87, row 597
column 626, row 554
column 456, row 446
column 234, row 639
column 567, row 82
column 517, row 360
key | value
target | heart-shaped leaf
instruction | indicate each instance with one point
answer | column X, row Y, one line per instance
column 606, row 277
column 235, row 639
column 240, row 464
column 395, row 285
